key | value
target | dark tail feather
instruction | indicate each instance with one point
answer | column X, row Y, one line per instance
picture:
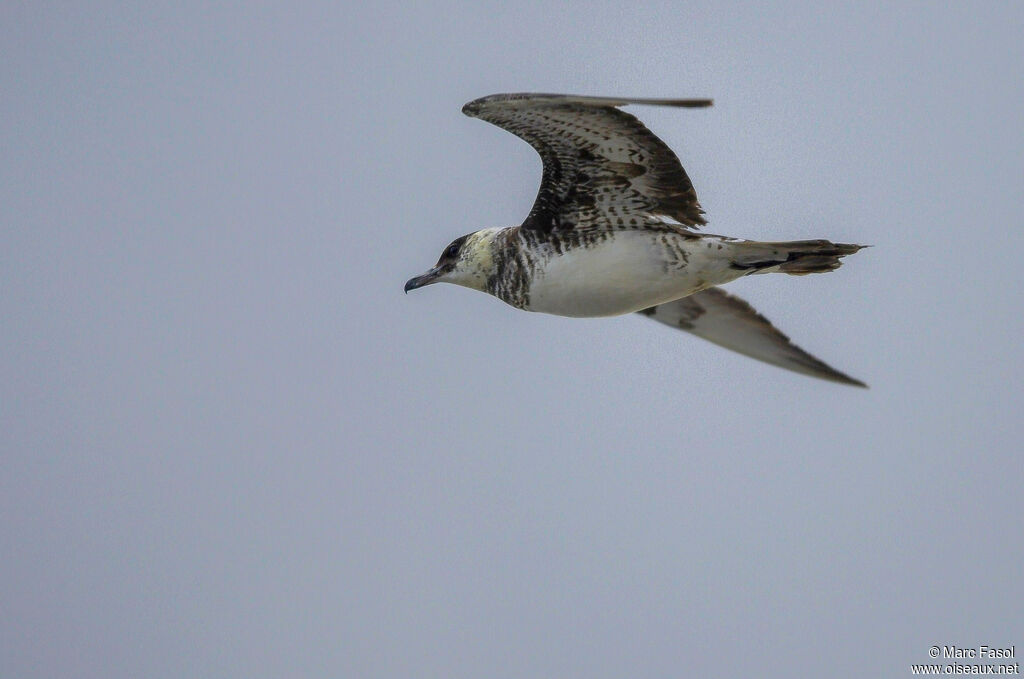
column 797, row 258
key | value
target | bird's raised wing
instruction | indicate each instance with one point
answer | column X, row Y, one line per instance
column 602, row 168
column 730, row 322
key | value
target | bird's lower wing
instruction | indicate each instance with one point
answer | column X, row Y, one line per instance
column 730, row 322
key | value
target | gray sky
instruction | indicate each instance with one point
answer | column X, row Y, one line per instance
column 233, row 448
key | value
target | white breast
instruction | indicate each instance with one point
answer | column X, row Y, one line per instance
column 628, row 272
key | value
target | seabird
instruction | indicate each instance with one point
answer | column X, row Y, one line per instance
column 613, row 231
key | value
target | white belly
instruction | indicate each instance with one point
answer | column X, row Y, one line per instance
column 632, row 271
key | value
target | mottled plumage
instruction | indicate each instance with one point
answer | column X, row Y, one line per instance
column 602, row 168
column 611, row 232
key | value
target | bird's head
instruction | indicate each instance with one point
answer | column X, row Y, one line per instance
column 467, row 261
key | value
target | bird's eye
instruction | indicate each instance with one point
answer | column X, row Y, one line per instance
column 452, row 251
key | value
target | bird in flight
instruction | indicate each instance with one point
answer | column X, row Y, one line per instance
column 614, row 231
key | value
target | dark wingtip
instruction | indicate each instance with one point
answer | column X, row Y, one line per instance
column 843, row 378
column 856, row 383
column 692, row 103
column 821, row 370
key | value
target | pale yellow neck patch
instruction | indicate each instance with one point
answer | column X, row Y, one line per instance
column 476, row 260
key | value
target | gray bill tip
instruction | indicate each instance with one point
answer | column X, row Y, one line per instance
column 420, row 281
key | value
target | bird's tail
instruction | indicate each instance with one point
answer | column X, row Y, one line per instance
column 797, row 258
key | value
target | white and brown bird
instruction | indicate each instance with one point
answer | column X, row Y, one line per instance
column 612, row 231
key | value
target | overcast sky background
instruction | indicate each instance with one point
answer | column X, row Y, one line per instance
column 231, row 447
